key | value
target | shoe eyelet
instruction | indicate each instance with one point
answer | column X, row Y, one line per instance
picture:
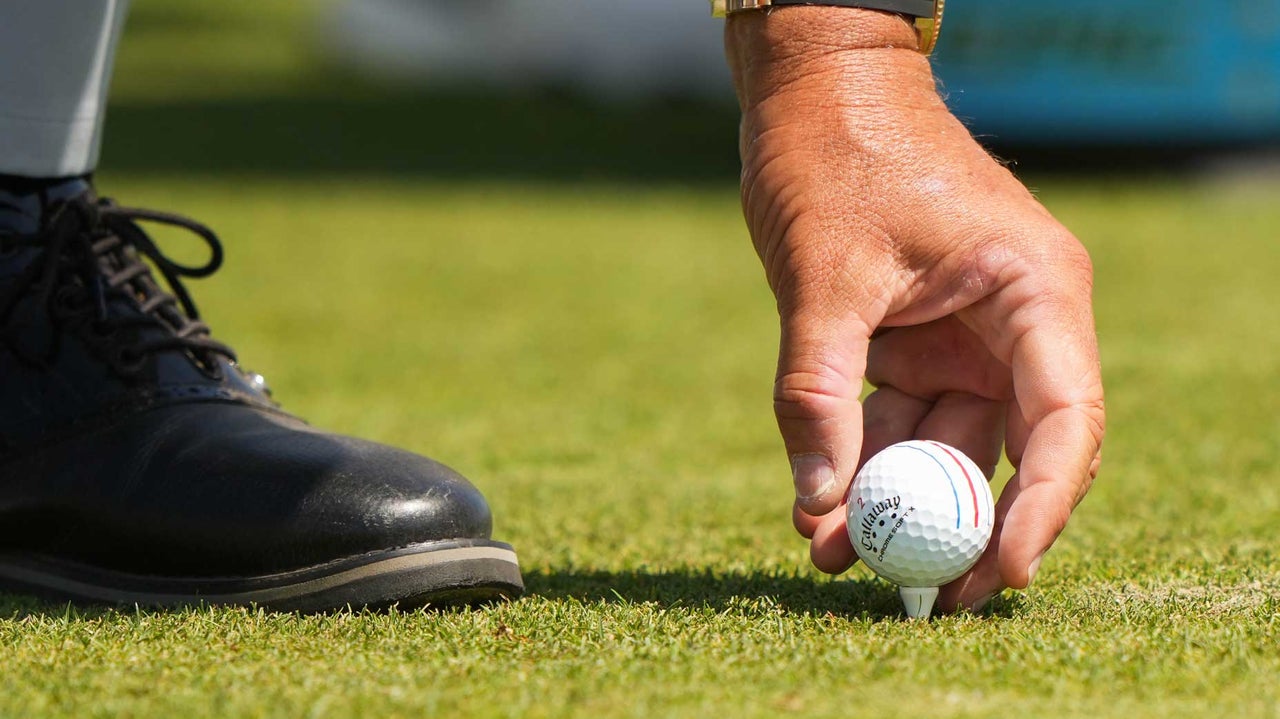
column 209, row 367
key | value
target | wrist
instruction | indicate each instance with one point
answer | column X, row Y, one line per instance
column 835, row 51
column 808, row 28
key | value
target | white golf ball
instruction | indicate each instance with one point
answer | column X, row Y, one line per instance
column 920, row 513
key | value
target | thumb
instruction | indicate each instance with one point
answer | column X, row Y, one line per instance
column 815, row 398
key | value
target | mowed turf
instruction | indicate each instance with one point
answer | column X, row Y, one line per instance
column 599, row 362
column 597, row 354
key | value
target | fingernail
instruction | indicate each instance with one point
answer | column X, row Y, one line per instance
column 813, row 475
column 982, row 603
column 1033, row 568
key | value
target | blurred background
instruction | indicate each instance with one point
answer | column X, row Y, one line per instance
column 582, row 88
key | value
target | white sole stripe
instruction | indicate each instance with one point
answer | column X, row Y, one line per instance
column 393, row 565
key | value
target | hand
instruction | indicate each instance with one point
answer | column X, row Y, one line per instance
column 899, row 251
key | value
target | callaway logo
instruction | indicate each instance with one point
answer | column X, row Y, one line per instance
column 874, row 523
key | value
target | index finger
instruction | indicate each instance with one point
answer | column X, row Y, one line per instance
column 1042, row 325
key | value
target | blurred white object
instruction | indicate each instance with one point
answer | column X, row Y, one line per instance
column 608, row 48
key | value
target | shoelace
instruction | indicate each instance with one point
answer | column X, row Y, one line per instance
column 91, row 241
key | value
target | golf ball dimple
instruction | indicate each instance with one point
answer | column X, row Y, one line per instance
column 920, row 513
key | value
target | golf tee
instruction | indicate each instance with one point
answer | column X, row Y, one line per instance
column 918, row 601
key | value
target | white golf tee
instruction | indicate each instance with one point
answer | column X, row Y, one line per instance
column 918, row 601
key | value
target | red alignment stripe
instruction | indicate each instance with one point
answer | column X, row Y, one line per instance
column 973, row 492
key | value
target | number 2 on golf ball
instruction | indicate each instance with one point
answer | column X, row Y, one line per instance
column 920, row 513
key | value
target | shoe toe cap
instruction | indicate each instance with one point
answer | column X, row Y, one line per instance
column 358, row 495
column 322, row 496
column 210, row 490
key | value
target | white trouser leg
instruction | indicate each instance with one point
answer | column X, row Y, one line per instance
column 55, row 68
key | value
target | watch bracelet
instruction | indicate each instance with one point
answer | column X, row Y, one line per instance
column 926, row 15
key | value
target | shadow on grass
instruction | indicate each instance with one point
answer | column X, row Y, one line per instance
column 867, row 599
column 442, row 134
column 752, row 592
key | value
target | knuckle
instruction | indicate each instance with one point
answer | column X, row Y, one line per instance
column 1078, row 257
column 1073, row 267
column 1090, row 477
column 1093, row 417
column 1066, row 260
column 1095, row 412
column 1037, row 247
column 809, row 394
column 1095, row 420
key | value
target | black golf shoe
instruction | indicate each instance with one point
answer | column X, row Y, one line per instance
column 140, row 464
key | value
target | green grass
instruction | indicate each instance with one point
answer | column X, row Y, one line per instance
column 597, row 354
column 599, row 362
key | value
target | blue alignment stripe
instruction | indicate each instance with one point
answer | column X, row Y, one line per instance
column 950, row 479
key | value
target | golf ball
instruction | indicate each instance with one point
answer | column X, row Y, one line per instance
column 920, row 513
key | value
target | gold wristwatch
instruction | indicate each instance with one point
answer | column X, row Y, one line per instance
column 926, row 15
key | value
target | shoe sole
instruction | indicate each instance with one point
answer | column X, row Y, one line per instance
column 435, row 573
